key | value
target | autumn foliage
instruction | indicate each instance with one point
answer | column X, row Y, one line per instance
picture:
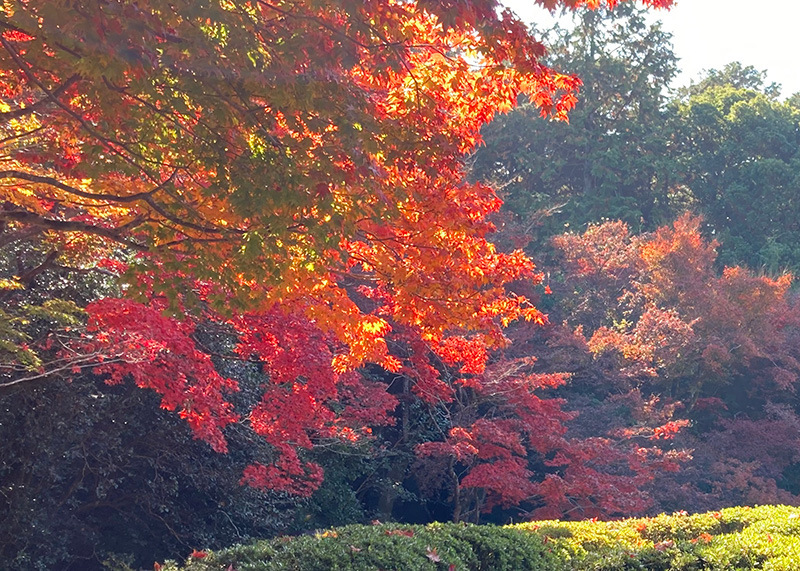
column 254, row 146
column 290, row 171
column 263, row 213
column 691, row 346
column 676, row 317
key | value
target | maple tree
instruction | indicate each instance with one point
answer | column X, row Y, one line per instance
column 500, row 437
column 689, row 344
column 256, row 146
column 483, row 458
column 267, row 157
column 521, row 455
column 274, row 147
column 673, row 317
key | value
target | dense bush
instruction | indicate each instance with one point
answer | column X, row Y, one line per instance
column 358, row 547
column 766, row 537
column 91, row 472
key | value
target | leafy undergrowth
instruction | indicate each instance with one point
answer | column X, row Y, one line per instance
column 765, row 537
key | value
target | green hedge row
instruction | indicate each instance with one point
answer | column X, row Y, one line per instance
column 765, row 537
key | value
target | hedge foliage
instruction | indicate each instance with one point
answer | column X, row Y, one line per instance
column 765, row 537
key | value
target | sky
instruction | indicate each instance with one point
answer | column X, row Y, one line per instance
column 707, row 34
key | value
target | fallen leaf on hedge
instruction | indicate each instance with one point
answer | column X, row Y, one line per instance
column 405, row 532
column 704, row 537
column 329, row 533
column 432, row 555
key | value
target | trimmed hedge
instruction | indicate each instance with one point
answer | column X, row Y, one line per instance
column 765, row 537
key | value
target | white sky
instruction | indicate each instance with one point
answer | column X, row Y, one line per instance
column 710, row 33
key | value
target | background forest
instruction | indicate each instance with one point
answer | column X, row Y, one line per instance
column 664, row 225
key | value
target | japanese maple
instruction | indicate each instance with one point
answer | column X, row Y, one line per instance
column 276, row 147
column 258, row 157
column 675, row 315
column 677, row 340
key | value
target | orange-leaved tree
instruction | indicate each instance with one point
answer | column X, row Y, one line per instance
column 717, row 347
column 247, row 154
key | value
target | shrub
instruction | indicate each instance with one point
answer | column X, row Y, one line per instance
column 367, row 548
column 765, row 537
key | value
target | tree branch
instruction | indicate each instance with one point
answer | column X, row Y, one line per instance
column 85, row 362
column 50, row 181
column 146, row 197
column 27, row 217
column 31, row 274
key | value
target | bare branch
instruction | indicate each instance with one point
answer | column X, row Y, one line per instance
column 27, row 217
column 86, row 362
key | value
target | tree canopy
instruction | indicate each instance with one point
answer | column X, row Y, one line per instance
column 610, row 158
column 292, row 170
column 274, row 149
column 738, row 152
column 264, row 212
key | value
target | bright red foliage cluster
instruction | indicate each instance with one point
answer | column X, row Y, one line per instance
column 304, row 398
column 493, row 457
column 158, row 352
